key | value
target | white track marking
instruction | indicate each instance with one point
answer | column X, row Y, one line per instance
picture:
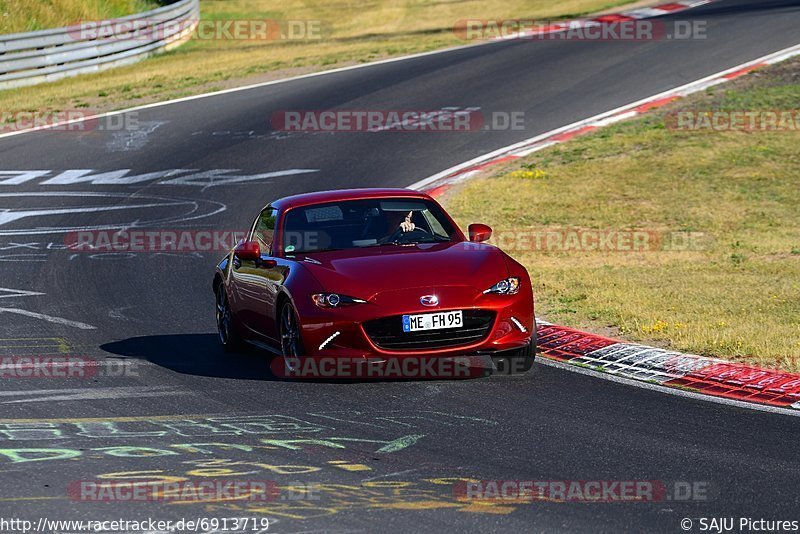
column 7, row 215
column 196, row 177
column 49, row 318
column 96, row 394
column 12, row 293
column 62, row 391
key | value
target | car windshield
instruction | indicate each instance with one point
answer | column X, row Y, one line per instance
column 364, row 223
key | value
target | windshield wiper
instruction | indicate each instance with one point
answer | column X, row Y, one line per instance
column 437, row 239
column 394, row 243
column 315, row 251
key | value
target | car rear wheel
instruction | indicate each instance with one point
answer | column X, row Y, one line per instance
column 291, row 342
column 227, row 333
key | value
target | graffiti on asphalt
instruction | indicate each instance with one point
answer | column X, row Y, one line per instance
column 195, row 177
column 224, row 425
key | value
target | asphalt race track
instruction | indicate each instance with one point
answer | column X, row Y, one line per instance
column 166, row 402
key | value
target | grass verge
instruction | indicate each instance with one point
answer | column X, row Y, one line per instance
column 719, row 211
column 344, row 33
column 31, row 15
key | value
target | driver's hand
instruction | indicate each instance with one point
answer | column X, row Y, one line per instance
column 407, row 225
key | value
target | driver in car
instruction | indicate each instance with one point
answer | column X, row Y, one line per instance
column 408, row 225
column 396, row 222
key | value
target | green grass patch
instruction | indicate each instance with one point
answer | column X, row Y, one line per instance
column 31, row 15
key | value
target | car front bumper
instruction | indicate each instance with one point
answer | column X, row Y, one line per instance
column 340, row 333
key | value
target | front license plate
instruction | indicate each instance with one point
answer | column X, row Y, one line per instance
column 432, row 321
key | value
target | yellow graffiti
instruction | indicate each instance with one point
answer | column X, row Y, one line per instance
column 16, row 343
column 166, row 488
column 417, row 505
column 220, row 467
column 347, row 466
column 388, row 484
column 173, row 494
column 14, row 499
column 144, row 478
column 333, row 499
column 489, row 508
column 449, row 481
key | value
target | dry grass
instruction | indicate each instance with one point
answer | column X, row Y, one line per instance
column 30, row 15
column 351, row 31
column 737, row 297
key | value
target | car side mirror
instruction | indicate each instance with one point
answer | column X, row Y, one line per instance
column 247, row 251
column 478, row 233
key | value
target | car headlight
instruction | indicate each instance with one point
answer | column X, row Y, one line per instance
column 334, row 300
column 508, row 286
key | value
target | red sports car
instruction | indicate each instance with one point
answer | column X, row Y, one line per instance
column 374, row 274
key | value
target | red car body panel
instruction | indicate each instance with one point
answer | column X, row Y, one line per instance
column 391, row 280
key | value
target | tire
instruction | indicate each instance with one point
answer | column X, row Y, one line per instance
column 517, row 362
column 228, row 336
column 290, row 337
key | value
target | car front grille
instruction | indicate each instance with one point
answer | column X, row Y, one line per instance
column 387, row 332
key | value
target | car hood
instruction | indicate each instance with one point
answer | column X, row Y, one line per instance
column 366, row 272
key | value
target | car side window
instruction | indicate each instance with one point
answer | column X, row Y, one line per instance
column 264, row 229
column 434, row 224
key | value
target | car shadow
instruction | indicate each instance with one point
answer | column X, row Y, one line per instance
column 202, row 355
column 194, row 354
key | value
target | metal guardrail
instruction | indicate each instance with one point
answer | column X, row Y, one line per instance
column 47, row 55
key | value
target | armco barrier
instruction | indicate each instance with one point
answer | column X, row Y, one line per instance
column 47, row 55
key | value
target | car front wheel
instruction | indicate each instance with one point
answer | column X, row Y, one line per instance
column 227, row 333
column 517, row 362
column 291, row 342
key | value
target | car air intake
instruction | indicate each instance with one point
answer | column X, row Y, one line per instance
column 387, row 332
